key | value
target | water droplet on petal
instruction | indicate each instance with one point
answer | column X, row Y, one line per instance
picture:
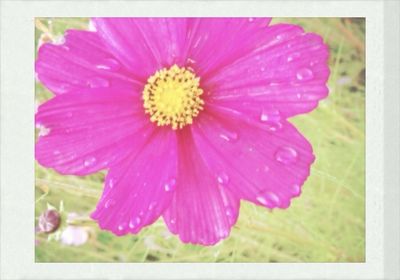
column 134, row 222
column 293, row 56
column 268, row 199
column 295, row 189
column 222, row 233
column 262, row 200
column 304, row 74
column 230, row 214
column 223, row 179
column 152, row 205
column 98, row 82
column 109, row 64
column 122, row 226
column 271, row 115
column 89, row 161
column 170, row 185
column 109, row 203
column 63, row 88
column 56, row 152
column 266, row 168
column 251, row 19
column 111, row 183
column 172, row 221
column 229, row 135
column 286, row 155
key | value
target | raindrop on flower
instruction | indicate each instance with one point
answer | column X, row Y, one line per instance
column 222, row 178
column 111, row 183
column 170, row 185
column 229, row 135
column 230, row 214
column 121, row 226
column 109, row 64
column 135, row 221
column 286, row 155
column 152, row 205
column 89, row 161
column 295, row 189
column 109, row 203
column 267, row 198
column 304, row 74
column 98, row 82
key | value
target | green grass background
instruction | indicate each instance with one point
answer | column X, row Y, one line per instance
column 325, row 224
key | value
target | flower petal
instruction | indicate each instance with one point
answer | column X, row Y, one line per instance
column 144, row 45
column 81, row 61
column 89, row 130
column 139, row 189
column 288, row 74
column 258, row 164
column 201, row 211
column 216, row 42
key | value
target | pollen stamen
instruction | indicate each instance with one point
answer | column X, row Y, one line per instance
column 172, row 97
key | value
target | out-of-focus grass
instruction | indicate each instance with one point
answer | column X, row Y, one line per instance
column 325, row 224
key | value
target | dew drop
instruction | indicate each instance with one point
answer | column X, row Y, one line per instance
column 304, row 74
column 251, row 19
column 230, row 214
column 89, row 161
column 173, row 221
column 121, row 227
column 111, row 183
column 293, row 56
column 109, row 203
column 170, row 185
column 262, row 200
column 63, row 88
column 286, row 155
column 152, row 205
column 222, row 233
column 134, row 222
column 229, row 136
column 56, row 152
column 109, row 64
column 268, row 199
column 272, row 115
column 295, row 189
column 98, row 83
column 223, row 179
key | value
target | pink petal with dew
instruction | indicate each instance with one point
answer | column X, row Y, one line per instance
column 215, row 42
column 80, row 61
column 90, row 130
column 138, row 190
column 263, row 164
column 144, row 45
column 287, row 75
column 202, row 210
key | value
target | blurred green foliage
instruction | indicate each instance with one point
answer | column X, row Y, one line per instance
column 325, row 224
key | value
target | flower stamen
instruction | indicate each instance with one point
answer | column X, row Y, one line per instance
column 172, row 97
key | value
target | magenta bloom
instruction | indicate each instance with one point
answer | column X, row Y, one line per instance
column 188, row 115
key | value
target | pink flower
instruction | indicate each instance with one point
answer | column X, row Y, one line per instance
column 188, row 115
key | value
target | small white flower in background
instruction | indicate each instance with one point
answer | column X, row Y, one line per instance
column 74, row 235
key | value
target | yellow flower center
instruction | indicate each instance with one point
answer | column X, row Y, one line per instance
column 172, row 97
